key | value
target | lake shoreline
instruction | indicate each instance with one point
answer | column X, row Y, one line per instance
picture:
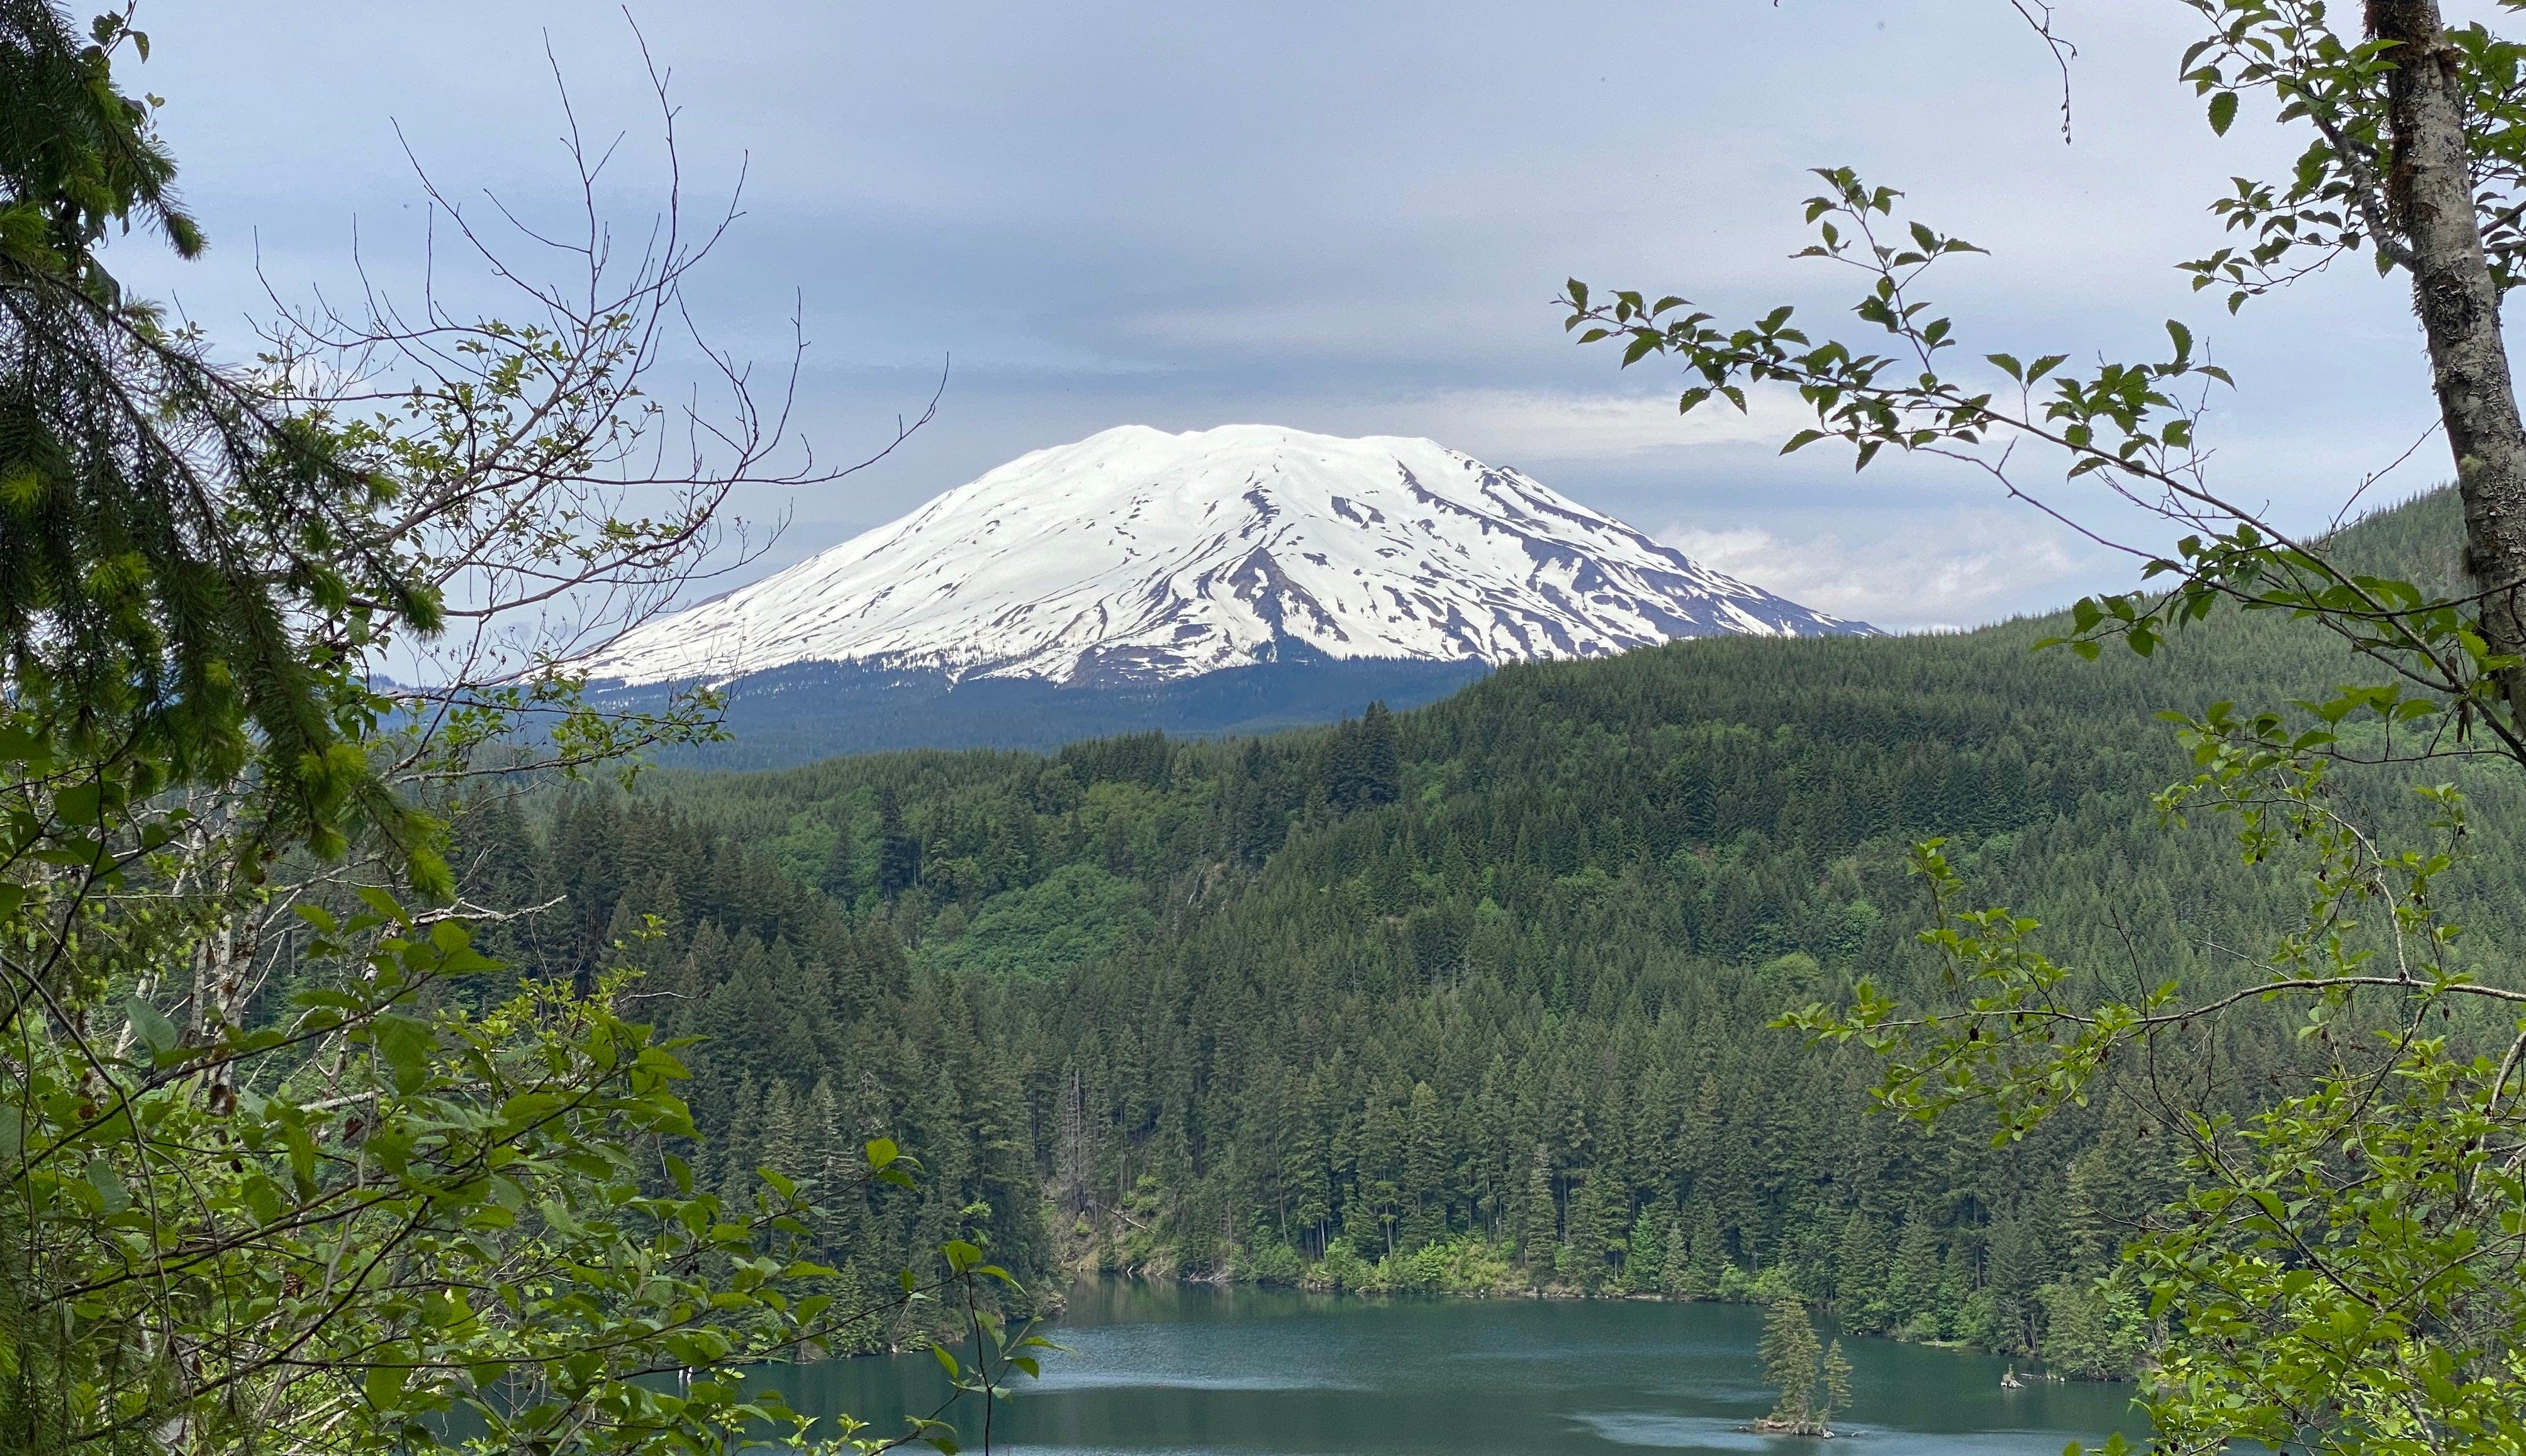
column 1180, row 1367
column 1560, row 1293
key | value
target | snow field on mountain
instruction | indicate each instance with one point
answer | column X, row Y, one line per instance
column 1139, row 555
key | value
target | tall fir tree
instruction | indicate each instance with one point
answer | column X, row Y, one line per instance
column 898, row 849
column 1790, row 1352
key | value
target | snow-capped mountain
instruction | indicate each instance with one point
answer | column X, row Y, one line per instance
column 1139, row 556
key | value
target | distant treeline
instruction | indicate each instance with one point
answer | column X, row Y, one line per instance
column 1469, row 997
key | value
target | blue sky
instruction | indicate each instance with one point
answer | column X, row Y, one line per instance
column 1346, row 216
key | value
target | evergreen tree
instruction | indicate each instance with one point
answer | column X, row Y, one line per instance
column 1837, row 1382
column 1379, row 764
column 170, row 593
column 1539, row 1225
column 1676, row 1275
column 1710, row 1254
column 1645, row 1255
column 1591, row 1231
column 833, row 1170
column 1425, row 1168
column 1964, row 1306
column 1859, row 1274
column 899, row 850
column 2019, row 1264
column 1789, row 1352
column 1912, row 1285
column 738, row 1151
column 842, row 871
column 1074, row 1151
column 2092, row 1329
column 2091, row 1239
column 1309, row 1180
column 779, row 1136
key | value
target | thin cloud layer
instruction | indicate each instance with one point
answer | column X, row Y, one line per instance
column 1345, row 219
column 1958, row 572
column 1509, row 426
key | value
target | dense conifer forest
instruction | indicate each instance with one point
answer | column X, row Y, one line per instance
column 387, row 1065
column 1471, row 998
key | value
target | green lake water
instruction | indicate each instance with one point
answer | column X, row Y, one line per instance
column 1190, row 1371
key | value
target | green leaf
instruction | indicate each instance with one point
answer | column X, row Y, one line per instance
column 405, row 1043
column 109, row 1185
column 384, row 1386
column 2223, row 112
column 152, row 1027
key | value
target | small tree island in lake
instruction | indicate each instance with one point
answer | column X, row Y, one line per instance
column 1813, row 1382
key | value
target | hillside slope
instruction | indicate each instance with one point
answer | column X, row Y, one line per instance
column 1474, row 995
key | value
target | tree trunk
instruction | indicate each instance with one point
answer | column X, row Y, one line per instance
column 2430, row 191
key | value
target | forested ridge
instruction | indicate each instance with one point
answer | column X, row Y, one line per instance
column 388, row 1064
column 1473, row 997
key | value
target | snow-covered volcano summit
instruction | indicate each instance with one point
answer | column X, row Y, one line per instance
column 1139, row 555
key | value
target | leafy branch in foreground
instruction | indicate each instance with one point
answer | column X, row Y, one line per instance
column 269, row 1178
column 351, row 1220
column 2122, row 423
column 2344, row 1272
